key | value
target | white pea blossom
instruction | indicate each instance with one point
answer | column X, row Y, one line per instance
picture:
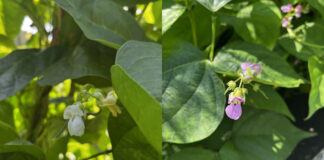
column 75, row 125
column 110, row 101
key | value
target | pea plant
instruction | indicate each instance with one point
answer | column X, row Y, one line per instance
column 229, row 67
column 84, row 82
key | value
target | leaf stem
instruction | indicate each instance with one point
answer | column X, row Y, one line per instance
column 98, row 154
column 213, row 38
column 141, row 15
column 293, row 35
column 192, row 22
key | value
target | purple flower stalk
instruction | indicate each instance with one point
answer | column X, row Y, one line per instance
column 286, row 8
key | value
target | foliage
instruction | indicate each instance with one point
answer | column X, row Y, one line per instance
column 81, row 51
column 205, row 43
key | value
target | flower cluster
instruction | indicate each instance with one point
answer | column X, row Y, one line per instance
column 75, row 115
column 291, row 12
column 237, row 96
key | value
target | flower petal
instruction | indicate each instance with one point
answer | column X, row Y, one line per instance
column 234, row 111
column 72, row 111
column 256, row 69
column 76, row 126
column 245, row 65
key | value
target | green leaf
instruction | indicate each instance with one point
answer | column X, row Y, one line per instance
column 11, row 17
column 8, row 133
column 181, row 29
column 259, row 23
column 275, row 70
column 319, row 5
column 193, row 95
column 271, row 100
column 128, row 142
column 87, row 59
column 213, row 5
column 194, row 154
column 309, row 33
column 21, row 66
column 6, row 113
column 94, row 20
column 139, row 103
column 316, row 72
column 262, row 135
column 142, row 62
column 171, row 11
column 20, row 150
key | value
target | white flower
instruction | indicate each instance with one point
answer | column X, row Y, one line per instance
column 76, row 126
column 74, row 114
column 110, row 102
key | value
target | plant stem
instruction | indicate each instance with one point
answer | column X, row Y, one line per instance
column 213, row 38
column 141, row 15
column 192, row 22
column 98, row 154
column 293, row 35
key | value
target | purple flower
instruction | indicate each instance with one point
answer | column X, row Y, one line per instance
column 254, row 68
column 286, row 8
column 233, row 99
column 285, row 22
column 298, row 10
column 234, row 111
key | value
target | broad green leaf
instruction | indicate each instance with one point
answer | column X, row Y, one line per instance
column 20, row 150
column 128, row 142
column 262, row 135
column 21, row 66
column 319, row 5
column 213, row 5
column 267, row 98
column 6, row 113
column 142, row 62
column 171, row 11
column 193, row 95
column 309, row 33
column 87, row 59
column 181, row 29
column 8, row 133
column 259, row 23
column 104, row 21
column 11, row 16
column 143, row 108
column 194, row 154
column 275, row 70
column 59, row 147
column 316, row 72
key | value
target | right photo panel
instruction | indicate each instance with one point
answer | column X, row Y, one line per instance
column 243, row 79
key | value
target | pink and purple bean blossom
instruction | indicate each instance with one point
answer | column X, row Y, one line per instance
column 286, row 8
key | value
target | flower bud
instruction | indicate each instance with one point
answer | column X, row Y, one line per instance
column 231, row 85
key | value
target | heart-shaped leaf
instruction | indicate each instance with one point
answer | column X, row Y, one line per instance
column 260, row 134
column 213, row 5
column 104, row 21
column 171, row 11
column 193, row 95
column 275, row 70
column 316, row 72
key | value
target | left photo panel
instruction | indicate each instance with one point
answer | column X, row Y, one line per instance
column 80, row 79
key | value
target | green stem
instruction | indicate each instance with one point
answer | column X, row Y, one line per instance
column 141, row 15
column 213, row 38
column 98, row 154
column 192, row 22
column 293, row 35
